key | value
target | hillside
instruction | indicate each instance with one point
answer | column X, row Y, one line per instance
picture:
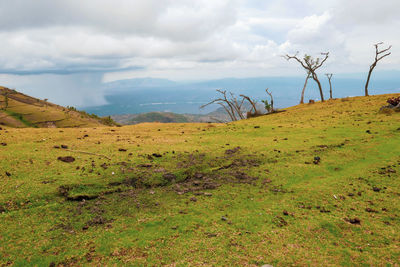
column 218, row 115
column 24, row 111
column 169, row 117
column 316, row 185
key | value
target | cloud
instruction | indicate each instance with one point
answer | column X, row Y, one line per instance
column 184, row 39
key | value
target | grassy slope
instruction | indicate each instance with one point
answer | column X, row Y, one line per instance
column 26, row 111
column 145, row 220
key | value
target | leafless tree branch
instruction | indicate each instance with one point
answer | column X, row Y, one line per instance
column 376, row 60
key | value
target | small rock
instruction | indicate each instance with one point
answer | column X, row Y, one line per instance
column 354, row 221
column 376, row 189
column 370, row 210
column 67, row 159
column 3, row 144
column 156, row 155
column 8, row 174
column 285, row 212
column 122, row 149
column 317, row 160
column 256, row 127
column 64, row 146
column 224, row 218
column 207, row 194
column 193, row 199
column 368, row 131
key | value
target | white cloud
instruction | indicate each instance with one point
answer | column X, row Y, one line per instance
column 185, row 39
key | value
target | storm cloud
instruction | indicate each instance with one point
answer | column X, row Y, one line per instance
column 183, row 39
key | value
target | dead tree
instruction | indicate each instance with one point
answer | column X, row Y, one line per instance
column 329, row 75
column 231, row 106
column 378, row 57
column 304, row 87
column 310, row 64
column 237, row 106
column 252, row 103
column 234, row 106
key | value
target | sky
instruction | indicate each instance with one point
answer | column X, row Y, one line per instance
column 67, row 49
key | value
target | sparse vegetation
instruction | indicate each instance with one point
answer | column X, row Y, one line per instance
column 316, row 185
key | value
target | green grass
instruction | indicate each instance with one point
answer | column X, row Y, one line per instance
column 264, row 204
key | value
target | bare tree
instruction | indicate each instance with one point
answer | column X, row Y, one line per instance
column 252, row 103
column 329, row 76
column 378, row 57
column 304, row 87
column 311, row 65
column 234, row 106
column 228, row 105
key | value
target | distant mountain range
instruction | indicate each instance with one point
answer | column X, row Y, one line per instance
column 144, row 95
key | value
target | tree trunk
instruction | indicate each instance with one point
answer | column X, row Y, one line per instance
column 304, row 88
column 369, row 76
column 315, row 78
column 330, row 89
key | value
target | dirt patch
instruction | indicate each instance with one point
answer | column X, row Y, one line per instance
column 64, row 190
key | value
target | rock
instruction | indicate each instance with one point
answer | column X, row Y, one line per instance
column 285, row 212
column 3, row 144
column 317, row 160
column 224, row 218
column 67, row 159
column 122, row 149
column 354, row 221
column 8, row 174
column 376, row 189
column 193, row 199
column 156, row 155
column 370, row 210
column 267, row 265
column 64, row 146
column 2, row 209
